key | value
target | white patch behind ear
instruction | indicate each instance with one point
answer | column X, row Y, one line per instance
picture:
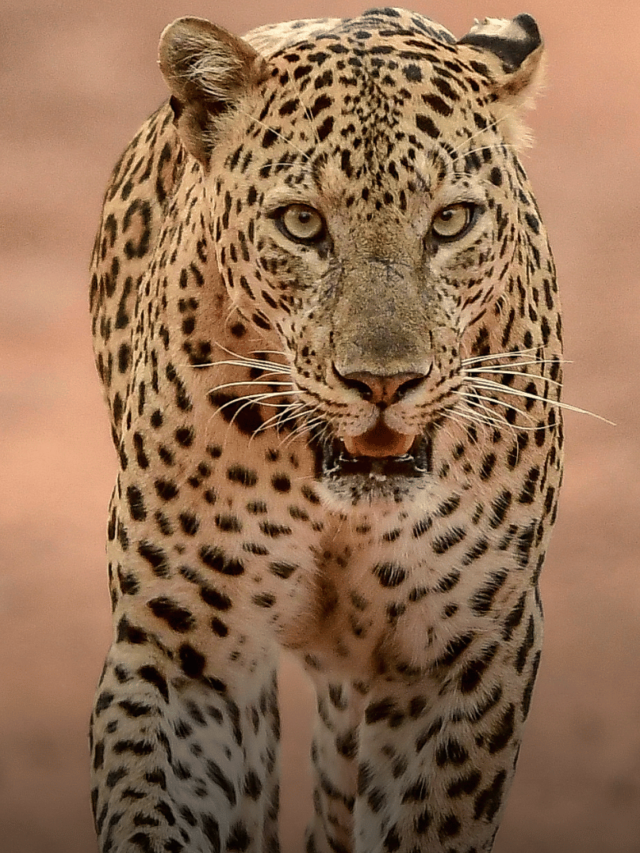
column 516, row 99
column 514, row 55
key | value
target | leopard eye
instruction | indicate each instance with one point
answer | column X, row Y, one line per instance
column 301, row 223
column 453, row 221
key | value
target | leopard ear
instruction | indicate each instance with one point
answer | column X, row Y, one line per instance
column 208, row 70
column 512, row 54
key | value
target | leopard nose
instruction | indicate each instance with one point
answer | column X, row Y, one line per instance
column 382, row 390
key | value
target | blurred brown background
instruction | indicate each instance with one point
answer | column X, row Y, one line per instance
column 76, row 79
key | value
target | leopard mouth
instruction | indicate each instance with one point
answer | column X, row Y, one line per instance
column 338, row 463
column 378, row 454
column 379, row 465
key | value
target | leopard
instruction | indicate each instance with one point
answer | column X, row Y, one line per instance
column 327, row 325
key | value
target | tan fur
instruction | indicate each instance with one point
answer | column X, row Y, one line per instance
column 240, row 362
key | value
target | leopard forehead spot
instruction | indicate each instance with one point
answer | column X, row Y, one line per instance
column 325, row 318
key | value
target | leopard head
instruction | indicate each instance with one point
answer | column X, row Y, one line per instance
column 369, row 210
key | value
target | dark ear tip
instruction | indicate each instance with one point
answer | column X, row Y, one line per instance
column 512, row 41
column 530, row 27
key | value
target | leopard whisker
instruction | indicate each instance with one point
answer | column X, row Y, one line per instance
column 260, row 381
column 455, row 414
column 250, row 364
column 475, row 396
column 305, row 417
column 253, row 400
column 269, row 352
column 494, row 370
column 489, row 367
column 489, row 385
column 485, row 415
column 244, row 358
column 308, row 421
column 292, row 411
column 517, row 353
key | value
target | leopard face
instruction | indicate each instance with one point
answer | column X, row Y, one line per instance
column 368, row 208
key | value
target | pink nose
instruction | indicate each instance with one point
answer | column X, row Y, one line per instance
column 382, row 390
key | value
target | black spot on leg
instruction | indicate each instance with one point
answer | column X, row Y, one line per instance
column 216, row 559
column 239, row 839
column 252, row 785
column 98, row 756
column 451, row 537
column 104, row 701
column 166, row 489
column 499, row 508
column 141, row 457
column 376, row 799
column 129, row 584
column 153, row 676
column 451, row 752
column 347, row 744
column 450, row 826
column 392, row 841
column 473, row 672
column 465, row 785
column 214, row 598
column 489, row 800
column 503, row 731
column 380, row 710
column 211, row 831
column 528, row 690
column 514, row 617
column 524, row 544
column 142, row 841
column 189, row 523
column 482, row 601
column 136, row 709
column 453, row 650
column 527, row 645
column 390, row 575
column 282, row 570
column 192, row 662
column 136, row 504
column 177, row 618
column 156, row 557
column 416, row 793
column 422, row 822
column 218, row 777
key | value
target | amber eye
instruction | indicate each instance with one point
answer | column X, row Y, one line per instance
column 453, row 221
column 301, row 223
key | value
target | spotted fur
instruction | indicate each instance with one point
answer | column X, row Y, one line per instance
column 338, row 428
